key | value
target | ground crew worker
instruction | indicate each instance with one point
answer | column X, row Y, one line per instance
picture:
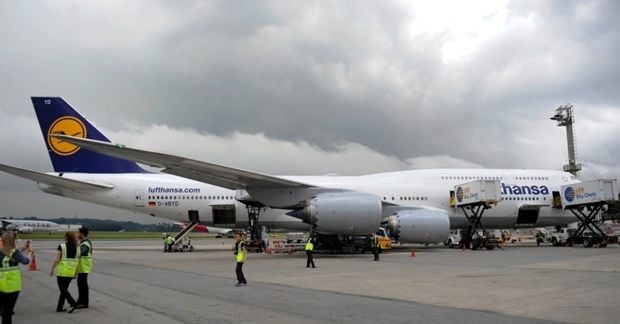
column 85, row 266
column 169, row 241
column 375, row 247
column 10, row 281
column 309, row 252
column 240, row 256
column 66, row 264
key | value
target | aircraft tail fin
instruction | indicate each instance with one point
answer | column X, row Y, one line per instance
column 56, row 116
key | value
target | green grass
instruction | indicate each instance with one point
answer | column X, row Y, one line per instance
column 107, row 236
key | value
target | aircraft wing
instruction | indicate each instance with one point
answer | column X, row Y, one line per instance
column 57, row 181
column 214, row 174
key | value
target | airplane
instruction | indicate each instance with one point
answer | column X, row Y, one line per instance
column 30, row 226
column 207, row 229
column 414, row 204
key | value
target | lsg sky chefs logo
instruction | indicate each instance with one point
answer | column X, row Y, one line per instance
column 569, row 194
column 65, row 126
column 459, row 194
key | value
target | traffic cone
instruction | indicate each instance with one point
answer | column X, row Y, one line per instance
column 413, row 252
column 33, row 264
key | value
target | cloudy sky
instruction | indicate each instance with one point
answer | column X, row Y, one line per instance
column 305, row 87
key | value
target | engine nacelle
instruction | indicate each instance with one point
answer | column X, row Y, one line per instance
column 420, row 225
column 25, row 229
column 349, row 213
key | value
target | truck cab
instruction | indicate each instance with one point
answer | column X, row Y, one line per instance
column 454, row 239
column 561, row 236
column 385, row 242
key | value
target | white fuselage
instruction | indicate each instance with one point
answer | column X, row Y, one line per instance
column 33, row 225
column 172, row 197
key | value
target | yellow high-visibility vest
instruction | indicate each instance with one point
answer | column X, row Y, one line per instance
column 85, row 265
column 309, row 246
column 10, row 277
column 240, row 253
column 67, row 267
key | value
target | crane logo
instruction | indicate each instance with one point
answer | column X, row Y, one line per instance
column 569, row 194
column 66, row 125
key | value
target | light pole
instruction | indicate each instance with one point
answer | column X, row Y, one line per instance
column 564, row 116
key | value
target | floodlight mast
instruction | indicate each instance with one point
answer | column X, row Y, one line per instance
column 565, row 118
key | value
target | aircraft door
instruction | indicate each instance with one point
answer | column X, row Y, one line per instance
column 527, row 216
column 224, row 215
column 557, row 200
column 193, row 216
column 139, row 197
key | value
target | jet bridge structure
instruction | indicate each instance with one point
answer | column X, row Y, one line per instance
column 473, row 198
column 587, row 200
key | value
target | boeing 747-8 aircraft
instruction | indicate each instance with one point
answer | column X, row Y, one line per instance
column 416, row 204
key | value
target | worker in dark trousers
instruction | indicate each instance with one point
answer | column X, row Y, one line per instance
column 11, row 279
column 85, row 266
column 240, row 256
column 309, row 252
column 375, row 247
column 66, row 265
column 169, row 242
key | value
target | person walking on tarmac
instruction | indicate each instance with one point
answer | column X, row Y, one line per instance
column 309, row 252
column 240, row 256
column 66, row 264
column 10, row 281
column 85, row 266
column 374, row 245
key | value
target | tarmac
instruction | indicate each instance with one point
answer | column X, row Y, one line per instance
column 135, row 282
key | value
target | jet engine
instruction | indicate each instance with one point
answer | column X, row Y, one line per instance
column 25, row 229
column 420, row 225
column 349, row 213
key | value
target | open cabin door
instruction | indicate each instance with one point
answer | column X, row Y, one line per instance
column 224, row 215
